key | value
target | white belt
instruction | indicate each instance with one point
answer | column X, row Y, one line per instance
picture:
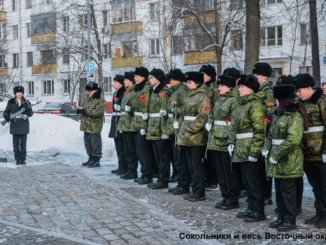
column 189, row 118
column 116, row 113
column 17, row 117
column 315, row 129
column 220, row 123
column 154, row 115
column 136, row 113
column 277, row 142
column 170, row 115
column 124, row 113
column 244, row 136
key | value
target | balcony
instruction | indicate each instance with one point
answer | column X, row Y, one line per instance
column 4, row 72
column 193, row 58
column 44, row 38
column 41, row 69
column 128, row 62
column 208, row 18
column 128, row 27
column 3, row 17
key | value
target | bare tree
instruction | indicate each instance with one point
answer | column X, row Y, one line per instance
column 314, row 40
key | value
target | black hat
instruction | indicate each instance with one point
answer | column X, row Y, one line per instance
column 158, row 74
column 195, row 76
column 129, row 75
column 18, row 89
column 250, row 81
column 177, row 74
column 91, row 85
column 304, row 81
column 119, row 79
column 284, row 91
column 232, row 72
column 283, row 79
column 263, row 69
column 209, row 70
column 227, row 80
column 142, row 71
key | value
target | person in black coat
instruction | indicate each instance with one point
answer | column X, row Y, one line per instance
column 19, row 126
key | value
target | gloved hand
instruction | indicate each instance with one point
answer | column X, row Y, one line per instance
column 142, row 131
column 176, row 125
column 144, row 116
column 165, row 137
column 208, row 127
column 163, row 113
column 324, row 158
column 117, row 107
column 264, row 152
column 127, row 108
column 252, row 159
column 81, row 111
column 272, row 161
column 230, row 149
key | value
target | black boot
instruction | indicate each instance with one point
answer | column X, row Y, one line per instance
column 87, row 162
column 321, row 224
column 244, row 214
column 255, row 217
column 95, row 162
column 276, row 223
column 115, row 171
column 314, row 220
column 286, row 226
column 220, row 204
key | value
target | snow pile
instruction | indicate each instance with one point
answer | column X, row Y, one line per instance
column 52, row 134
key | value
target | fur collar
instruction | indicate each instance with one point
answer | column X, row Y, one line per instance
column 97, row 94
column 316, row 95
column 140, row 86
column 158, row 88
column 120, row 92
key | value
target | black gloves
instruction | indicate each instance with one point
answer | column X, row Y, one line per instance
column 81, row 111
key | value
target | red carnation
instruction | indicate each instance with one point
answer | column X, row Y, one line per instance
column 208, row 107
column 227, row 121
column 267, row 120
column 144, row 101
column 126, row 92
column 142, row 97
column 162, row 95
column 115, row 98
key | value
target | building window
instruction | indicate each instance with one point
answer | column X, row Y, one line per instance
column 236, row 4
column 47, row 57
column 123, row 11
column 305, row 69
column 48, row 1
column 66, row 23
column 176, row 45
column 129, row 48
column 267, row 2
column 15, row 32
column 155, row 47
column 28, row 4
column 14, row 5
column 3, row 63
column 3, row 30
column 154, row 11
column 271, row 36
column 43, row 23
column 197, row 40
column 304, row 34
column 29, row 59
column 107, row 51
column 276, row 73
column 107, row 84
column 66, row 56
column 15, row 60
column 105, row 17
column 82, row 20
column 28, row 29
column 66, row 86
column 204, row 5
column 48, row 87
column 2, row 88
column 30, row 88
column 236, row 40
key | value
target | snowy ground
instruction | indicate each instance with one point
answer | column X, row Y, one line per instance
column 54, row 138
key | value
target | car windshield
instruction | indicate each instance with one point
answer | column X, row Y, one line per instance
column 52, row 106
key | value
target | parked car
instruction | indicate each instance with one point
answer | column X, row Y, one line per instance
column 62, row 109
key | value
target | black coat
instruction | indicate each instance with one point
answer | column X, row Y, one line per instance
column 18, row 126
column 117, row 99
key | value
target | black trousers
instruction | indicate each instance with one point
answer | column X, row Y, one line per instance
column 253, row 175
column 162, row 153
column 93, row 144
column 211, row 177
column 194, row 157
column 228, row 176
column 268, row 183
column 145, row 155
column 175, row 149
column 121, row 153
column 129, row 145
column 19, row 143
column 287, row 201
column 184, row 176
column 316, row 174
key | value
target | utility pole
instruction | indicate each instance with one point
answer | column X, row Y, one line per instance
column 89, row 52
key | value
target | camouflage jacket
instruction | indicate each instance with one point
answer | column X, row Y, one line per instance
column 314, row 141
column 159, row 100
column 125, row 124
column 283, row 144
column 140, row 104
column 116, row 100
column 178, row 95
column 195, row 111
column 92, row 122
column 221, row 118
column 248, row 128
column 212, row 91
column 265, row 94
